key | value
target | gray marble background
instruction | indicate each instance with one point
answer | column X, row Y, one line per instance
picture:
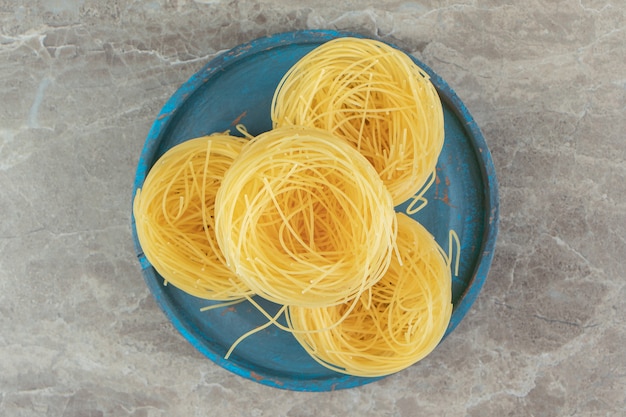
column 81, row 82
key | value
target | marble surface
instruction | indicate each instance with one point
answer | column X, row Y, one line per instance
column 80, row 84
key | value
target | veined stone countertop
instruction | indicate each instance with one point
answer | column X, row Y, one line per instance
column 81, row 82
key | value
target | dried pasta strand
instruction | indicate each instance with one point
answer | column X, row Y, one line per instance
column 413, row 206
column 454, row 242
column 241, row 338
column 222, row 304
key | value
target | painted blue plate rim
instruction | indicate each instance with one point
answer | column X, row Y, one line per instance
column 230, row 57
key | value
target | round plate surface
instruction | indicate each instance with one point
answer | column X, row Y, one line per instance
column 237, row 87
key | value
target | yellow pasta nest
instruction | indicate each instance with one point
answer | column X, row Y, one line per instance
column 304, row 219
column 174, row 212
column 375, row 97
column 395, row 324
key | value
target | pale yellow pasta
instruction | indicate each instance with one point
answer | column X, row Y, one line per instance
column 304, row 219
column 174, row 217
column 375, row 97
column 399, row 321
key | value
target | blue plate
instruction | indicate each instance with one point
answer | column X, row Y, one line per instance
column 237, row 87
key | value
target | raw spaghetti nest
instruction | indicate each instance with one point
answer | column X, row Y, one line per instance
column 374, row 96
column 304, row 219
column 174, row 211
column 399, row 321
